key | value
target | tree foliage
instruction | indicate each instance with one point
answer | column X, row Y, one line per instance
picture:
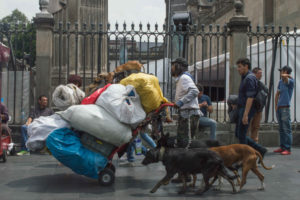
column 22, row 34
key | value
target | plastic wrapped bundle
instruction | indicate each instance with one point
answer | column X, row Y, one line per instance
column 98, row 122
column 123, row 103
column 65, row 146
column 65, row 96
column 40, row 129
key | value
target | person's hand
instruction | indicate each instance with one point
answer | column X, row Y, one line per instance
column 276, row 107
column 245, row 119
column 175, row 106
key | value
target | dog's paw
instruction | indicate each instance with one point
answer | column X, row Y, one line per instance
column 152, row 191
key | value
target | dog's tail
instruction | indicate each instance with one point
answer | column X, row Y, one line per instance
column 261, row 161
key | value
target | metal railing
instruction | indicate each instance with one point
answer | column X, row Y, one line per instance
column 89, row 49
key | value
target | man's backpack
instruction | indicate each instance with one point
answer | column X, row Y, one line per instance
column 261, row 96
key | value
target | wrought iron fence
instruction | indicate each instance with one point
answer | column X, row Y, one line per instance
column 90, row 49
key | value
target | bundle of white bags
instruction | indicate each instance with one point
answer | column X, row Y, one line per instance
column 96, row 121
column 117, row 110
column 65, row 96
column 40, row 129
column 123, row 103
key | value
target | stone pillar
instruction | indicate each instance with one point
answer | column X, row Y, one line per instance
column 44, row 48
column 238, row 25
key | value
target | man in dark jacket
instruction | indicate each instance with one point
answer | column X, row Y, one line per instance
column 246, row 109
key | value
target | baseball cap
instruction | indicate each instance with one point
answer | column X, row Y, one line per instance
column 286, row 68
column 181, row 61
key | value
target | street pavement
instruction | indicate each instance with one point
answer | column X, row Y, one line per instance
column 37, row 177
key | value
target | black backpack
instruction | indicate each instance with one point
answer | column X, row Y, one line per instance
column 261, row 96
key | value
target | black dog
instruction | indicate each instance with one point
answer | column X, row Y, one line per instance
column 170, row 142
column 185, row 161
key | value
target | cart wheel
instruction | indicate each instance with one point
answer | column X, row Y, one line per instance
column 106, row 177
column 4, row 155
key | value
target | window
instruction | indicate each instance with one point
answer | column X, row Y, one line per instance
column 269, row 11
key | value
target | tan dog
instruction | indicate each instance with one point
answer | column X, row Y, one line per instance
column 100, row 81
column 244, row 154
column 130, row 65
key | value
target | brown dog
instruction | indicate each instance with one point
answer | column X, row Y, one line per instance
column 100, row 81
column 242, row 153
column 130, row 65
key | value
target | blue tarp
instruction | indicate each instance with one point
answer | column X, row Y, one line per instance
column 66, row 147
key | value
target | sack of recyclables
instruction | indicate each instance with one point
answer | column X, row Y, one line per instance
column 65, row 96
column 147, row 86
column 123, row 103
column 96, row 121
column 40, row 129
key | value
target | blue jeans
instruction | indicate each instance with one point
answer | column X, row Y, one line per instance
column 207, row 122
column 285, row 128
column 24, row 136
column 241, row 130
column 131, row 147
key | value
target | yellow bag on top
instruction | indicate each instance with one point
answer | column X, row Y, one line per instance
column 147, row 86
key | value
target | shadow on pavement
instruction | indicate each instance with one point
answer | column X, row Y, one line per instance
column 73, row 183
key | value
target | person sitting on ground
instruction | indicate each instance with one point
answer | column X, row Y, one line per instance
column 206, row 106
column 41, row 110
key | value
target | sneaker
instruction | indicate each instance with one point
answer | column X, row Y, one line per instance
column 279, row 150
column 23, row 153
column 285, row 152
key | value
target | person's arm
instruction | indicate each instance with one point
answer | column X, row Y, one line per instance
column 29, row 121
column 247, row 109
column 250, row 94
column 285, row 78
column 276, row 99
column 209, row 105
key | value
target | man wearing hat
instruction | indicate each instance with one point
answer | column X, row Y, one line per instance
column 282, row 106
column 186, row 101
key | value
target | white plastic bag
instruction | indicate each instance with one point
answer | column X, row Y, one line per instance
column 96, row 121
column 123, row 103
column 40, row 128
column 65, row 96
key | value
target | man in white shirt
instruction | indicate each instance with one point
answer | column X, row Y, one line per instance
column 186, row 100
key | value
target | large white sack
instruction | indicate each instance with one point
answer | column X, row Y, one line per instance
column 96, row 121
column 65, row 96
column 127, row 109
column 40, row 128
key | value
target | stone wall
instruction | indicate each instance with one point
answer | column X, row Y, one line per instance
column 82, row 12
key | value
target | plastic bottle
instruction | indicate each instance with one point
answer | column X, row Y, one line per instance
column 138, row 146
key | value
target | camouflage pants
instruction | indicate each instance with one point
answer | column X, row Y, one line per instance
column 183, row 135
